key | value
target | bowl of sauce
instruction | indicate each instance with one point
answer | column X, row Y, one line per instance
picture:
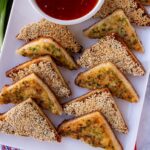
column 67, row 12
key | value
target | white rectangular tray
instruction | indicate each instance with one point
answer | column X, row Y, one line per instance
column 22, row 14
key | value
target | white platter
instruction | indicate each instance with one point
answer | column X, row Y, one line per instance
column 22, row 14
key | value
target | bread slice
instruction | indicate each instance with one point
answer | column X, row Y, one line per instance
column 31, row 86
column 47, row 70
column 117, row 23
column 27, row 119
column 92, row 129
column 47, row 46
column 145, row 2
column 112, row 48
column 133, row 9
column 98, row 100
column 107, row 75
column 44, row 28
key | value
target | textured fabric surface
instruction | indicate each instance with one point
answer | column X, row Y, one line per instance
column 2, row 147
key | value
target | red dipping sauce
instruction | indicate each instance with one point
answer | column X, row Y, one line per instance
column 66, row 9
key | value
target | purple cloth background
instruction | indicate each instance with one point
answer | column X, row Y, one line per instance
column 2, row 147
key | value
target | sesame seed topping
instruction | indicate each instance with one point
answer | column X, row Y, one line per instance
column 111, row 49
column 98, row 101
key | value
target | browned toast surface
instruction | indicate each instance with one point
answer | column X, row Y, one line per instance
column 145, row 2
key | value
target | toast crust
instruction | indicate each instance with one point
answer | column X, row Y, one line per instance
column 31, row 86
column 47, row 46
column 125, row 89
column 98, row 100
column 117, row 23
column 112, row 48
column 145, row 2
column 47, row 70
column 95, row 118
column 11, row 125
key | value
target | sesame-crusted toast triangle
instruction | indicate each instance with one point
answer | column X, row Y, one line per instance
column 27, row 119
column 47, row 46
column 92, row 129
column 109, row 76
column 31, row 86
column 45, row 28
column 47, row 70
column 98, row 100
column 112, row 48
column 117, row 23
column 133, row 9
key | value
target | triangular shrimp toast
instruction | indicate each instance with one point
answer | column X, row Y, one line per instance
column 47, row 70
column 98, row 100
column 134, row 10
column 112, row 48
column 31, row 86
column 47, row 46
column 44, row 28
column 109, row 76
column 27, row 119
column 117, row 23
column 92, row 129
